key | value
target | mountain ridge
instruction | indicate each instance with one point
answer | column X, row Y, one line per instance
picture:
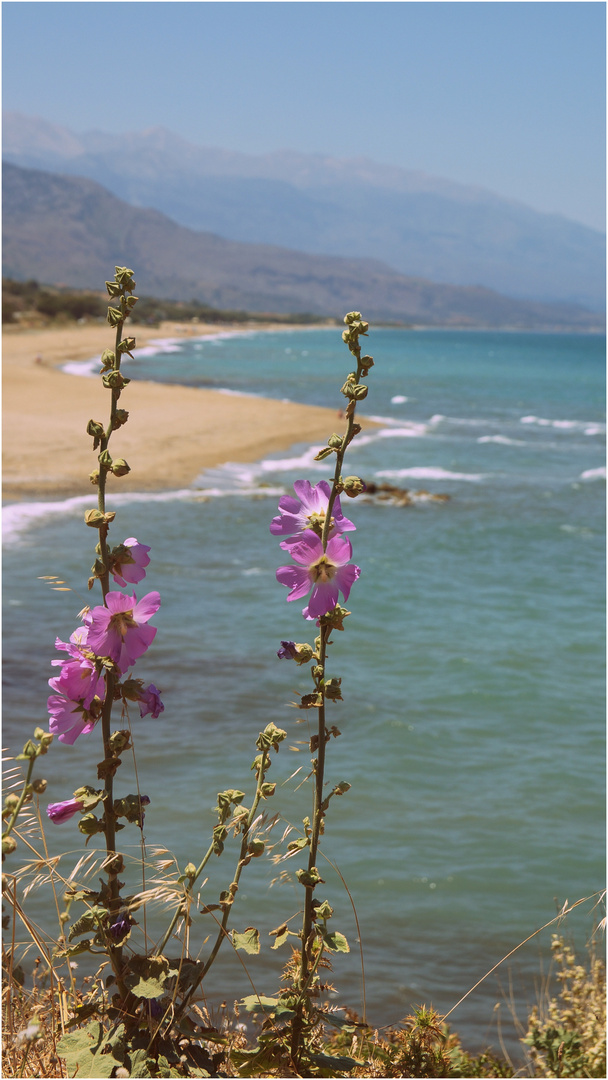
column 64, row 229
column 421, row 226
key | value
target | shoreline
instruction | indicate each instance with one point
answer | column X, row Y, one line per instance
column 173, row 434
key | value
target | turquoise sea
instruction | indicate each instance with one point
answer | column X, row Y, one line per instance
column 472, row 665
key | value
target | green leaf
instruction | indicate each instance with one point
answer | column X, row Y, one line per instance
column 82, row 1051
column 336, row 942
column 334, row 1064
column 139, row 1064
column 281, row 938
column 147, row 976
column 249, row 940
column 268, row 1006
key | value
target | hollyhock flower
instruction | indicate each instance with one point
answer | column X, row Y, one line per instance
column 326, row 573
column 118, row 629
column 129, row 566
column 79, row 680
column 63, row 811
column 68, row 719
column 76, row 646
column 149, row 702
column 309, row 509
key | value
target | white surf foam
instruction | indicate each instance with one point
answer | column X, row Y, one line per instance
column 589, row 427
column 18, row 517
column 430, row 472
column 503, row 440
column 594, row 474
column 399, row 399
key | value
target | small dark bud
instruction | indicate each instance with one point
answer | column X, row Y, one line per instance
column 39, row 786
column 94, row 477
column 120, row 467
column 8, row 845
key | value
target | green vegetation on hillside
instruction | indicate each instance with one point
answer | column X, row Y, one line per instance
column 24, row 301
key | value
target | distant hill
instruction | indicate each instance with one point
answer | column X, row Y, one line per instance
column 70, row 230
column 420, row 225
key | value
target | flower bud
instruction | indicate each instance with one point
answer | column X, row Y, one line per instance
column 107, row 359
column 119, row 417
column 309, row 878
column 105, row 459
column 120, row 467
column 115, row 316
column 115, row 380
column 11, row 801
column 113, row 288
column 353, row 486
column 359, row 392
column 190, row 870
column 94, row 477
column 352, row 317
column 90, row 825
column 39, row 786
column 256, row 848
column 8, row 845
column 95, row 428
column 335, row 441
column 366, row 362
column 126, row 345
column 331, row 689
column 119, row 741
column 95, row 519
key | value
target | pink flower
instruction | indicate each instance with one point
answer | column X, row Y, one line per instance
column 129, row 567
column 149, row 702
column 327, row 573
column 118, row 629
column 69, row 719
column 78, row 680
column 309, row 509
column 63, row 811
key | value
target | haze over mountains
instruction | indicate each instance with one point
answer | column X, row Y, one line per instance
column 418, row 226
column 63, row 229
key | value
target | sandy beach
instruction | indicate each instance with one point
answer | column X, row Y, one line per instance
column 173, row 432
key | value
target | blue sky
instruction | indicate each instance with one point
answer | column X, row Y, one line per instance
column 506, row 96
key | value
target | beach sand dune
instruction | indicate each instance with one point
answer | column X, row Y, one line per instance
column 173, row 432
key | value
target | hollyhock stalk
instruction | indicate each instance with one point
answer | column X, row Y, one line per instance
column 123, row 288
column 354, row 391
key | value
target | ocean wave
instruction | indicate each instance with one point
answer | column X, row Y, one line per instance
column 588, row 427
column 430, row 472
column 503, row 440
column 18, row 517
column 594, row 474
column 156, row 347
column 399, row 399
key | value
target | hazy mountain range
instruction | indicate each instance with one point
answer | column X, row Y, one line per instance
column 70, row 230
column 418, row 225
